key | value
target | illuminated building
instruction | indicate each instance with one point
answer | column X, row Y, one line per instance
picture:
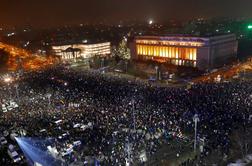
column 82, row 50
column 201, row 52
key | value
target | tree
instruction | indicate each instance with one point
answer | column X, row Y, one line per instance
column 113, row 51
column 123, row 51
column 114, row 54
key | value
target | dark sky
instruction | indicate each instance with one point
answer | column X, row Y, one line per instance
column 57, row 12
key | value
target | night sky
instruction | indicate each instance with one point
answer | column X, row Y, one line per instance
column 58, row 12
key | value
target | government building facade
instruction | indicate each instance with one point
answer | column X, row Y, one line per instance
column 73, row 51
column 199, row 52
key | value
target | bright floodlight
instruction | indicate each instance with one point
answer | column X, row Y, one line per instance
column 249, row 26
column 36, row 152
column 150, row 22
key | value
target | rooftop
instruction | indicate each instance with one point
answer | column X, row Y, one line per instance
column 185, row 36
column 69, row 42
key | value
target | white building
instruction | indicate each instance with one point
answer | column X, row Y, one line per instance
column 73, row 51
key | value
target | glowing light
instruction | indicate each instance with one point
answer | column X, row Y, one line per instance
column 28, row 61
column 84, row 41
column 150, row 22
column 179, row 55
column 249, row 26
column 85, row 50
column 7, row 79
column 35, row 151
column 171, row 43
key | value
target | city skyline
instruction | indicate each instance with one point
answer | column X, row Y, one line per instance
column 52, row 13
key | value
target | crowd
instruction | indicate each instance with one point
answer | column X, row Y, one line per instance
column 122, row 121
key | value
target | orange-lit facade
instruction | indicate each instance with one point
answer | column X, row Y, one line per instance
column 184, row 51
column 177, row 55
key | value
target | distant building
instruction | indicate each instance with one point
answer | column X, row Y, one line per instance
column 73, row 51
column 201, row 52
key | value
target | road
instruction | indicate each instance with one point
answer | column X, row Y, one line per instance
column 27, row 60
column 228, row 72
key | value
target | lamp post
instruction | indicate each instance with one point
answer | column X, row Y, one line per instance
column 156, row 67
column 128, row 151
column 126, row 66
column 17, row 93
column 102, row 62
column 49, row 100
column 196, row 120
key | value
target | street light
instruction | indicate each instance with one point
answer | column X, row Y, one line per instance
column 128, row 151
column 49, row 100
column 156, row 67
column 102, row 62
column 196, row 120
column 126, row 66
column 150, row 22
column 17, row 93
